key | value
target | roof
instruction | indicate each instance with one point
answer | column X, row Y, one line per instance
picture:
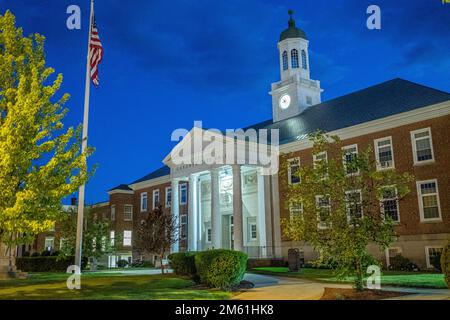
column 161, row 172
column 292, row 31
column 121, row 187
column 375, row 102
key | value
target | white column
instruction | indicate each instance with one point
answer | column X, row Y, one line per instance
column 216, row 218
column 276, row 216
column 237, row 209
column 175, row 208
column 261, row 213
column 192, row 213
column 199, row 215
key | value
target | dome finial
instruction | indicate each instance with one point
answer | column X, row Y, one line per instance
column 291, row 22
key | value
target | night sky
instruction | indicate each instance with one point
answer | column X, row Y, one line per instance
column 168, row 63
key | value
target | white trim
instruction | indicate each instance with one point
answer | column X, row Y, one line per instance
column 379, row 125
column 414, row 147
column 399, row 251
column 360, row 199
column 146, row 200
column 124, row 213
column 396, row 200
column 344, row 162
column 293, row 208
column 420, row 199
column 167, row 203
column 290, row 170
column 185, row 185
column 320, row 153
column 319, row 222
column 377, row 153
column 154, row 193
column 150, row 183
column 427, row 254
column 113, row 206
column 120, row 191
column 131, row 238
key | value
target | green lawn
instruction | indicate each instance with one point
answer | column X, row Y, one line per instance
column 99, row 285
column 392, row 278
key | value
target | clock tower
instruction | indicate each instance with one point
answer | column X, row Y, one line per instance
column 296, row 91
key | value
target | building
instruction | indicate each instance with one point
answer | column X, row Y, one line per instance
column 236, row 206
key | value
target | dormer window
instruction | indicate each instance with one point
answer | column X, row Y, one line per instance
column 304, row 64
column 285, row 60
column 294, row 58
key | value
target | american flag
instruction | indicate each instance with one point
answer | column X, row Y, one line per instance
column 95, row 52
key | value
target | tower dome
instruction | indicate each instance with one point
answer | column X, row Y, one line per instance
column 292, row 31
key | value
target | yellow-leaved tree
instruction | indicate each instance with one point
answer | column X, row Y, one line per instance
column 40, row 160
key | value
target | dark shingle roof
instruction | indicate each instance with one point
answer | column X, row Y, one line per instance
column 163, row 171
column 121, row 187
column 379, row 101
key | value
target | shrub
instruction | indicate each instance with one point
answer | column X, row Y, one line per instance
column 401, row 263
column 47, row 263
column 142, row 264
column 445, row 263
column 122, row 263
column 220, row 268
column 436, row 262
column 35, row 254
column 183, row 264
column 46, row 253
column 26, row 254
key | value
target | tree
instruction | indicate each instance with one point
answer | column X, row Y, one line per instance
column 338, row 200
column 96, row 235
column 40, row 161
column 157, row 233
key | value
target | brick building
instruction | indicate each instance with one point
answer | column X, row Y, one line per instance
column 237, row 206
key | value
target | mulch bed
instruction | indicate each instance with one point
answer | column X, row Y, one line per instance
column 353, row 294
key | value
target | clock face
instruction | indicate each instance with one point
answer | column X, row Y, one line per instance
column 285, row 101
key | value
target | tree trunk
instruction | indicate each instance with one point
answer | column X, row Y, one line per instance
column 358, row 275
column 162, row 265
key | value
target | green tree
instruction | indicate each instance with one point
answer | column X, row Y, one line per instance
column 156, row 234
column 338, row 201
column 40, row 160
column 96, row 235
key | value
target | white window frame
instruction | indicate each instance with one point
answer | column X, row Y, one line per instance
column 183, row 224
column 251, row 225
column 168, row 191
column 127, row 241
column 420, row 199
column 61, row 243
column 344, row 160
column 427, row 254
column 399, row 251
column 377, row 153
column 183, row 185
column 398, row 206
column 315, row 160
column 155, row 194
column 317, row 197
column 295, row 209
column 297, row 159
column 414, row 147
column 52, row 239
column 144, row 195
column 113, row 212
column 112, row 237
column 208, row 235
column 361, row 200
column 125, row 213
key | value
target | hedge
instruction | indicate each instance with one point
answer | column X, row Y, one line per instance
column 445, row 263
column 183, row 264
column 221, row 268
column 46, row 264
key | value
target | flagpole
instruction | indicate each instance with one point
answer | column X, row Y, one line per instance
column 79, row 239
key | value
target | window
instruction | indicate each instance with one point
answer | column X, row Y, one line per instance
column 422, row 146
column 113, row 213
column 391, row 253
column 183, row 193
column 295, row 210
column 252, row 229
column 168, row 196
column 304, row 64
column 294, row 58
column 183, row 226
column 384, row 153
column 208, row 235
column 127, row 237
column 61, row 243
column 155, row 198
column 144, row 202
column 354, row 204
column 49, row 243
column 308, row 100
column 112, row 236
column 293, row 170
column 389, row 203
column 320, row 160
column 285, row 60
column 128, row 212
column 432, row 253
column 350, row 159
column 324, row 211
column 427, row 192
column 52, row 227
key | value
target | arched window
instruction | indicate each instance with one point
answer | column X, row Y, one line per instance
column 304, row 65
column 294, row 58
column 285, row 61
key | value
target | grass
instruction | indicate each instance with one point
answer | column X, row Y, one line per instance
column 100, row 286
column 391, row 278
